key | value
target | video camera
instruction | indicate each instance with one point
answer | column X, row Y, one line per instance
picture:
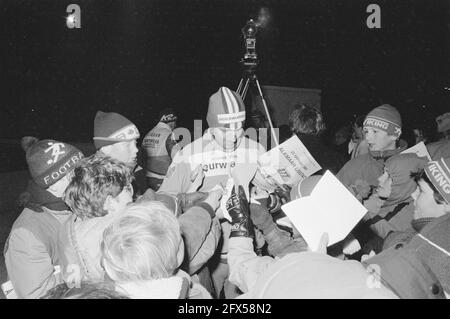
column 249, row 31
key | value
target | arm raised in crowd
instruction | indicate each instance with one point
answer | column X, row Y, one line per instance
column 200, row 231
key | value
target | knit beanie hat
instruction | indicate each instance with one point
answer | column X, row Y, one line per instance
column 386, row 118
column 421, row 269
column 443, row 122
column 49, row 161
column 167, row 115
column 438, row 173
column 305, row 187
column 111, row 128
column 225, row 109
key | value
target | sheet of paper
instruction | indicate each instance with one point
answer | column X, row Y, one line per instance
column 330, row 208
column 292, row 158
column 420, row 149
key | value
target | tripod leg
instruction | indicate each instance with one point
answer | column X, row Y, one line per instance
column 244, row 92
column 272, row 130
column 238, row 91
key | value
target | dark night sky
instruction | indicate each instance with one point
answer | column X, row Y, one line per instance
column 135, row 57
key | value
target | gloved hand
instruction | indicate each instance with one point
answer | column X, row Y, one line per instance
column 361, row 189
column 238, row 209
column 274, row 203
column 284, row 194
column 187, row 200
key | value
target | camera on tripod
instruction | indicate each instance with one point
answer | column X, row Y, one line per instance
column 250, row 60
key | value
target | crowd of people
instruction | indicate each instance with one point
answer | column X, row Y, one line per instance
column 102, row 226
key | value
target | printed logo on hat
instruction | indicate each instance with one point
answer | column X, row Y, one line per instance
column 126, row 133
column 377, row 123
column 61, row 170
column 166, row 118
column 439, row 176
column 56, row 151
column 231, row 118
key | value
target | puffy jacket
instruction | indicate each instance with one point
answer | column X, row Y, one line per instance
column 160, row 147
column 439, row 149
column 367, row 167
column 31, row 251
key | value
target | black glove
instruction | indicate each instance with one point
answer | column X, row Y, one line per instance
column 285, row 194
column 238, row 208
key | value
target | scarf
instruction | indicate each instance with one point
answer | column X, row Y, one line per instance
column 36, row 197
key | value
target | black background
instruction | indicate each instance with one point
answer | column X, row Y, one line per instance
column 135, row 57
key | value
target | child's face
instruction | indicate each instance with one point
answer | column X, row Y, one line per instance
column 379, row 140
column 424, row 204
column 125, row 152
column 384, row 185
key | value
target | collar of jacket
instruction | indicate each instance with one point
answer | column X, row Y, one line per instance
column 36, row 197
column 384, row 155
column 419, row 224
column 174, row 287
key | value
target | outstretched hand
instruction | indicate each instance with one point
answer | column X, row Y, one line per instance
column 213, row 198
column 197, row 176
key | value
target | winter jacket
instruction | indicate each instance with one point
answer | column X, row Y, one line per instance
column 358, row 147
column 401, row 238
column 161, row 147
column 179, row 286
column 31, row 251
column 439, row 149
column 396, row 213
column 216, row 163
column 299, row 275
column 367, row 167
column 398, row 219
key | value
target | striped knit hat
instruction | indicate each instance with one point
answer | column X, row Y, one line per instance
column 438, row 173
column 226, row 109
column 385, row 117
column 111, row 128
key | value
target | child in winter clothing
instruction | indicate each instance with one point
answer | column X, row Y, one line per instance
column 30, row 250
column 430, row 201
column 99, row 191
column 390, row 207
column 116, row 136
column 142, row 252
column 419, row 270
